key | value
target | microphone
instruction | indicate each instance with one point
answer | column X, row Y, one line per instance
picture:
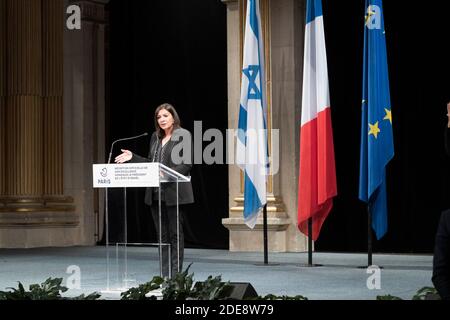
column 124, row 139
column 156, row 148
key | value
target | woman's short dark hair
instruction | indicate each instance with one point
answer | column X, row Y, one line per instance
column 176, row 119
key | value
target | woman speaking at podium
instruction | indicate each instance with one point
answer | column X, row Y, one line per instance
column 167, row 136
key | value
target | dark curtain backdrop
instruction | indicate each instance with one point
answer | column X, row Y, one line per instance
column 169, row 51
column 175, row 51
column 418, row 177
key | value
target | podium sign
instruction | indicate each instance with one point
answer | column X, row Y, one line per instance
column 128, row 175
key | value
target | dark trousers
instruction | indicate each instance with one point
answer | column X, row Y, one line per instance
column 441, row 259
column 169, row 235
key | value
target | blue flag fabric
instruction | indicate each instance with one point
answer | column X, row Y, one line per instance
column 377, row 143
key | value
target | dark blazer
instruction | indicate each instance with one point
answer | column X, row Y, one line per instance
column 185, row 194
column 441, row 259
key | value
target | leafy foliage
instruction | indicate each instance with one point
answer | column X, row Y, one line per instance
column 50, row 289
column 182, row 287
column 388, row 297
column 92, row 296
column 212, row 289
column 140, row 292
column 179, row 287
column 427, row 293
column 274, row 297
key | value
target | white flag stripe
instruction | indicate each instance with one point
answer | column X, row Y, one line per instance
column 316, row 96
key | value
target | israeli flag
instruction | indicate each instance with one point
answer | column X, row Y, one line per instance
column 251, row 148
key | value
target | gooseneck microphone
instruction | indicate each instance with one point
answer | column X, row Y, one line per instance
column 124, row 139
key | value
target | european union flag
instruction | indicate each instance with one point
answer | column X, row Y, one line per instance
column 377, row 143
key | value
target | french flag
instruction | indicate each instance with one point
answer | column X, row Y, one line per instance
column 317, row 176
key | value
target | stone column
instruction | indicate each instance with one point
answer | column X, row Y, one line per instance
column 2, row 97
column 287, row 33
column 34, row 210
column 282, row 23
column 234, row 64
column 52, row 48
column 84, row 113
column 24, row 107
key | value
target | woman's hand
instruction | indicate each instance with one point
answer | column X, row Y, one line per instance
column 448, row 114
column 125, row 156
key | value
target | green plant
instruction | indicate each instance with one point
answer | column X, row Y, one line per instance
column 274, row 297
column 140, row 292
column 212, row 289
column 50, row 289
column 180, row 287
column 427, row 293
column 388, row 297
column 15, row 294
column 92, row 296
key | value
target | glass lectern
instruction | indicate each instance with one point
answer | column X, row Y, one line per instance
column 119, row 275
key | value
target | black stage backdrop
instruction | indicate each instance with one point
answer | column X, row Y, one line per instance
column 170, row 51
column 175, row 51
column 418, row 177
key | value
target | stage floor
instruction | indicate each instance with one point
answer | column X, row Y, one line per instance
column 339, row 277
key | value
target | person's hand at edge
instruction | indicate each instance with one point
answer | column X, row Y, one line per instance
column 125, row 156
column 448, row 114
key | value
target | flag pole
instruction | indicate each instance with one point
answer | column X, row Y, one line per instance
column 310, row 247
column 310, row 243
column 266, row 255
column 369, row 237
column 266, row 246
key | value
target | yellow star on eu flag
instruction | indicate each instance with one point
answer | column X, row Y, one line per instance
column 388, row 115
column 374, row 129
column 369, row 15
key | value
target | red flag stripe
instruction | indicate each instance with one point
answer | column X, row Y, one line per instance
column 317, row 180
